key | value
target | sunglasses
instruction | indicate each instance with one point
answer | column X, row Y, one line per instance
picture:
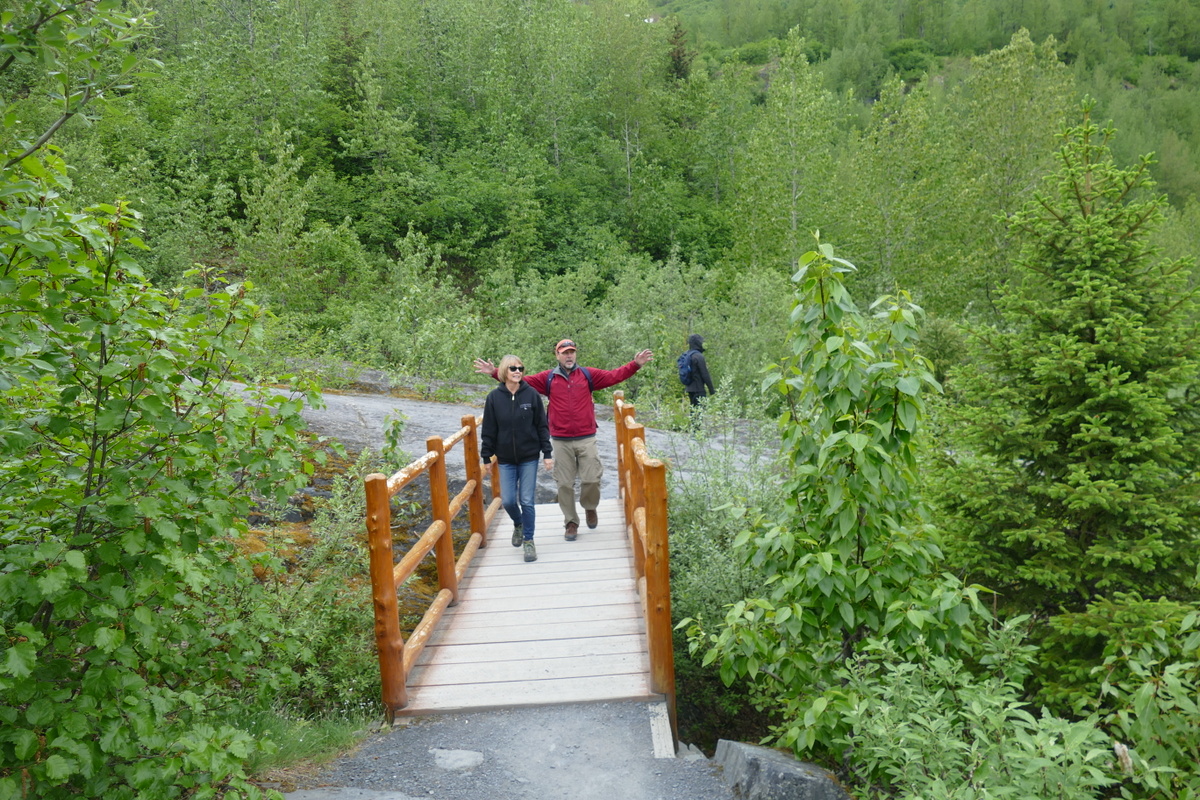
column 516, row 369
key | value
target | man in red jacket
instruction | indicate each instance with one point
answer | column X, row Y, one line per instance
column 568, row 388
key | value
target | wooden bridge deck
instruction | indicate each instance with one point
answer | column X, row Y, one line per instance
column 566, row 628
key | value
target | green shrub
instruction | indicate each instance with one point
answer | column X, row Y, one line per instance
column 1109, row 631
column 923, row 727
column 727, row 466
column 849, row 556
column 1155, row 687
column 128, row 624
column 323, row 604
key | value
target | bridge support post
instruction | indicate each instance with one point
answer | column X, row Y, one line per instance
column 388, row 641
column 659, row 630
column 475, row 511
column 439, row 500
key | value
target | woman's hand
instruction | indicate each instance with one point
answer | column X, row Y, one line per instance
column 548, row 463
column 484, row 367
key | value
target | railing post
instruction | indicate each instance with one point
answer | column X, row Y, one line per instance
column 474, row 473
column 494, row 471
column 658, row 588
column 439, row 500
column 636, row 496
column 630, row 492
column 622, row 454
column 388, row 641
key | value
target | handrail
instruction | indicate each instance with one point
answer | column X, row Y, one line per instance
column 396, row 657
column 643, row 485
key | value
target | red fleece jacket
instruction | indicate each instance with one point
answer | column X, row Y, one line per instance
column 571, row 410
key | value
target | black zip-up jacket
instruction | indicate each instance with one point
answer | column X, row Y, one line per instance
column 514, row 428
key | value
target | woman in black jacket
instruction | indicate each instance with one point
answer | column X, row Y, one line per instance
column 516, row 432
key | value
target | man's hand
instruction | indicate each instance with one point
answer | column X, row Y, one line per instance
column 485, row 367
column 643, row 358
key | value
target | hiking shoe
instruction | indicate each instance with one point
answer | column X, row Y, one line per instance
column 518, row 536
column 530, row 550
column 592, row 520
column 571, row 532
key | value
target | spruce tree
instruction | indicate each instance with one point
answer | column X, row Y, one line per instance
column 1072, row 472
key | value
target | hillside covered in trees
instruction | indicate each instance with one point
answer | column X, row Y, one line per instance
column 400, row 157
column 987, row 488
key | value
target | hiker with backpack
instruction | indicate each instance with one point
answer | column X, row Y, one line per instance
column 693, row 371
column 568, row 389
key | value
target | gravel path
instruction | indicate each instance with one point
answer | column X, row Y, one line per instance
column 601, row 751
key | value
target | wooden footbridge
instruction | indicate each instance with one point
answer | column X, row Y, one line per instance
column 589, row 621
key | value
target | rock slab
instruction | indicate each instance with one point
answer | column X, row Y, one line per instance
column 760, row 773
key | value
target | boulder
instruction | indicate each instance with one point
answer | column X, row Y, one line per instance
column 760, row 773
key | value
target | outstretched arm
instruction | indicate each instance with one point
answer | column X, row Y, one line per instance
column 485, row 367
column 603, row 378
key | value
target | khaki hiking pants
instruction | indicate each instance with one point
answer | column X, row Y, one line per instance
column 577, row 458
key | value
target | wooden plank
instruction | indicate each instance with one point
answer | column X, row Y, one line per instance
column 511, row 560
column 554, row 648
column 609, row 589
column 520, row 694
column 550, row 556
column 546, row 616
column 546, row 584
column 544, row 601
column 536, row 632
column 660, row 731
column 583, row 572
column 508, row 671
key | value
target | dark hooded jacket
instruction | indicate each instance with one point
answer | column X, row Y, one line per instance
column 514, row 426
column 700, row 376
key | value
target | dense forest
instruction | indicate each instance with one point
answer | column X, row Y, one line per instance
column 948, row 244
column 398, row 158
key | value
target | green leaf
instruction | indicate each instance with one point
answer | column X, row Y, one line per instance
column 857, row 441
column 19, row 659
column 40, row 712
column 25, row 744
column 847, row 612
column 53, row 581
column 909, row 385
column 109, row 639
column 59, row 768
column 916, row 617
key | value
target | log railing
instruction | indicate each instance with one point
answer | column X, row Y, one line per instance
column 643, row 483
column 396, row 656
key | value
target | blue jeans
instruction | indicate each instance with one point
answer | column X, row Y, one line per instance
column 518, row 482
